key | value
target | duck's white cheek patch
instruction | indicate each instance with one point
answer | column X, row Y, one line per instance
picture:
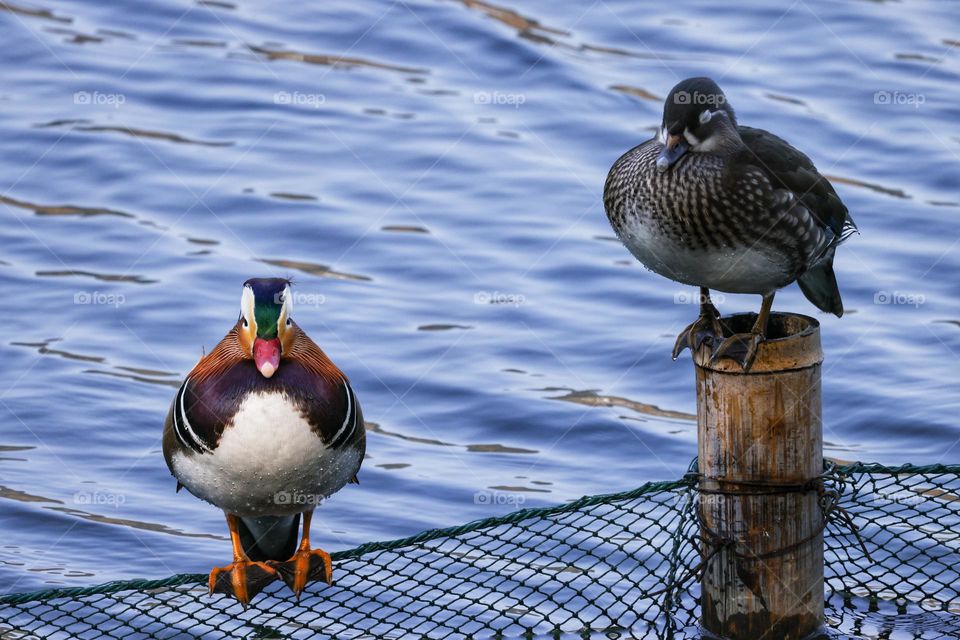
column 709, row 145
column 691, row 139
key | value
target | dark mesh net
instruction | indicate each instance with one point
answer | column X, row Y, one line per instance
column 617, row 565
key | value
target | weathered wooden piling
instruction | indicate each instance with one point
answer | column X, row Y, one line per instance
column 760, row 450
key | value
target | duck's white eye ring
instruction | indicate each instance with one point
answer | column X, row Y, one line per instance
column 705, row 116
column 289, row 322
column 247, row 304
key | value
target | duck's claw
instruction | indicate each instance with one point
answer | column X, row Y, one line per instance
column 741, row 347
column 243, row 579
column 706, row 328
column 305, row 566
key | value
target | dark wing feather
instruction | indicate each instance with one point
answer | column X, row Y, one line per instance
column 187, row 428
column 352, row 420
column 791, row 169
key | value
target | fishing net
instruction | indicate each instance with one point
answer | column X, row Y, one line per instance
column 606, row 566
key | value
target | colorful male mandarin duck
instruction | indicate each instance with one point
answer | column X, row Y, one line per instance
column 265, row 427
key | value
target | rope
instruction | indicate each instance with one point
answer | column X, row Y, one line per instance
column 908, row 469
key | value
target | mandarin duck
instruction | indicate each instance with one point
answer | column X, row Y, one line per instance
column 265, row 427
column 717, row 205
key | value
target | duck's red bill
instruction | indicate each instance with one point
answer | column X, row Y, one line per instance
column 266, row 355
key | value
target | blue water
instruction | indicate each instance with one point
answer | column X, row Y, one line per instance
column 430, row 173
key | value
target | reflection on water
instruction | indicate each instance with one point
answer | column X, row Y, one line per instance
column 293, row 196
column 315, row 269
column 373, row 427
column 511, row 18
column 62, row 210
column 442, row 327
column 593, row 399
column 404, row 228
column 638, row 92
column 103, row 277
column 44, row 348
column 430, row 173
column 22, row 496
column 896, row 193
column 175, row 384
column 336, row 61
column 139, row 374
column 133, row 524
column 45, row 14
column 82, row 125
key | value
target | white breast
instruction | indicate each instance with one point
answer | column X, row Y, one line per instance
column 268, row 462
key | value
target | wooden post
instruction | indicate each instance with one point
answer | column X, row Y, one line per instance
column 760, row 450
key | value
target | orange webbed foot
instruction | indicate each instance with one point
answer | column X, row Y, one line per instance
column 243, row 579
column 306, row 565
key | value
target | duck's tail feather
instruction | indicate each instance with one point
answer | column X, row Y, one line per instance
column 270, row 537
column 819, row 284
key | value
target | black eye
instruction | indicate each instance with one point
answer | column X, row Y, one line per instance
column 289, row 322
column 245, row 323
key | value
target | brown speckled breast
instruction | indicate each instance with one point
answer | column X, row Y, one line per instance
column 708, row 221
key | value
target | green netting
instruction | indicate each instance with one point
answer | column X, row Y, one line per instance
column 617, row 565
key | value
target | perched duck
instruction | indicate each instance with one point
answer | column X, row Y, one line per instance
column 265, row 427
column 717, row 205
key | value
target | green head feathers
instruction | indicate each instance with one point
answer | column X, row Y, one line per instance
column 268, row 304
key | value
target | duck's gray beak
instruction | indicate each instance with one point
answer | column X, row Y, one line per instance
column 674, row 149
